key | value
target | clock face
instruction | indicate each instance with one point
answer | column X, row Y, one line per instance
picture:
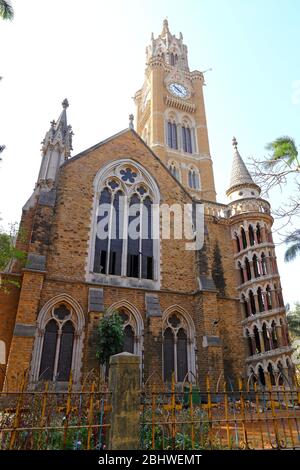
column 178, row 90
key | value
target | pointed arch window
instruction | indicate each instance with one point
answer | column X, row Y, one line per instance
column 237, row 240
column 257, row 340
column 258, row 234
column 248, row 269
column 251, row 235
column 252, row 303
column 57, row 350
column 244, row 239
column 269, row 297
column 255, row 266
column 124, row 231
column 260, row 300
column 193, row 179
column 187, row 139
column 172, row 135
column 241, row 272
column 264, row 264
column 177, row 348
column 174, row 170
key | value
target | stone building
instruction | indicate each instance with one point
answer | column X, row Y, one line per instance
column 216, row 309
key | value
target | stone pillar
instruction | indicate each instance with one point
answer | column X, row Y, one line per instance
column 124, row 383
column 274, row 299
column 270, row 338
column 247, row 237
column 256, row 303
column 261, row 340
column 279, row 336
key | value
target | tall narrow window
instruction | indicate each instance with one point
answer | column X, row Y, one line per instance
column 257, row 340
column 175, row 349
column 57, row 352
column 258, row 234
column 172, row 135
column 260, row 300
column 244, row 239
column 186, row 139
column 66, row 352
column 251, row 235
column 133, row 247
column 101, row 248
column 49, row 351
column 255, row 266
column 248, row 269
column 252, row 302
column 237, row 241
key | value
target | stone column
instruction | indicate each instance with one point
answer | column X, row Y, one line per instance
column 256, row 303
column 279, row 335
column 270, row 338
column 124, row 383
column 261, row 340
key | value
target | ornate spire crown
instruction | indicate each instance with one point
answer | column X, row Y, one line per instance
column 240, row 176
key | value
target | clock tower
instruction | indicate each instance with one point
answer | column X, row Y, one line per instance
column 171, row 114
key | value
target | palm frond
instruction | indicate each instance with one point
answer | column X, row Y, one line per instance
column 292, row 252
column 282, row 148
column 6, row 10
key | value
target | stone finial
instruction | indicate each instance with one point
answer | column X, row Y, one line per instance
column 234, row 143
column 131, row 118
column 165, row 29
column 65, row 103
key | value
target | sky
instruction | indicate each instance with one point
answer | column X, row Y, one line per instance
column 93, row 53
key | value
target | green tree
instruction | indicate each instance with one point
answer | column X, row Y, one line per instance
column 8, row 253
column 110, row 338
column 6, row 10
column 293, row 319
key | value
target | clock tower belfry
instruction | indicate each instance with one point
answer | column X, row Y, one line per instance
column 171, row 114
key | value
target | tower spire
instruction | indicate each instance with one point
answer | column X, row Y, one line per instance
column 56, row 148
column 241, row 182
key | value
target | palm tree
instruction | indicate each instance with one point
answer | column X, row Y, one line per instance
column 293, row 319
column 283, row 149
column 6, row 10
column 294, row 249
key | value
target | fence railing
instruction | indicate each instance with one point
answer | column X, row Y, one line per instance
column 122, row 415
column 186, row 417
column 47, row 419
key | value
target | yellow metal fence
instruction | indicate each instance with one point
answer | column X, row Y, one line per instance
column 47, row 419
column 186, row 417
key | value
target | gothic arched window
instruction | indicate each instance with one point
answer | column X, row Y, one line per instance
column 58, row 341
column 174, row 170
column 132, row 326
column 244, row 239
column 258, row 234
column 251, row 235
column 193, row 179
column 255, row 266
column 178, row 356
column 252, row 302
column 124, row 235
column 172, row 135
column 187, row 139
column 57, row 351
column 248, row 269
column 260, row 300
